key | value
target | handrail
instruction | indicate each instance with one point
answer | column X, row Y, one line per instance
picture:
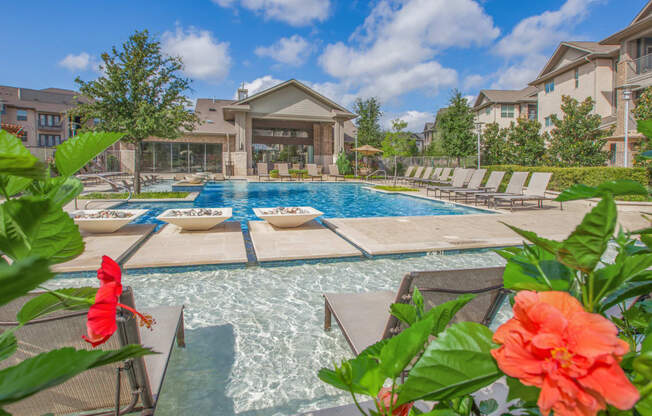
column 113, row 185
column 366, row 178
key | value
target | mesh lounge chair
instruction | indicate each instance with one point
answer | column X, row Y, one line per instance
column 535, row 191
column 334, row 172
column 474, row 184
column 96, row 390
column 283, row 171
column 313, row 173
column 364, row 317
column 408, row 173
column 262, row 171
column 417, row 174
column 425, row 176
column 459, row 178
column 437, row 178
column 492, row 185
column 514, row 187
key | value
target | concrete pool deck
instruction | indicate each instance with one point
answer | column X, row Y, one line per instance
column 117, row 245
column 171, row 246
column 309, row 241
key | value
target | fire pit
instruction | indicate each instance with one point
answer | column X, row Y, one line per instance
column 287, row 217
column 196, row 219
column 101, row 221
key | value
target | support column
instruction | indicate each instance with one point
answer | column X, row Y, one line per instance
column 338, row 138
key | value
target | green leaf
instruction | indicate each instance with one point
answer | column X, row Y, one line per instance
column 33, row 226
column 15, row 184
column 519, row 391
column 16, row 160
column 8, row 344
column 417, row 298
column 441, row 412
column 76, row 152
column 613, row 276
column 585, row 246
column 459, row 362
column 645, row 127
column 22, row 276
column 61, row 190
column 548, row 245
column 536, row 269
column 643, row 365
column 612, row 188
column 488, row 406
column 444, row 313
column 49, row 302
column 399, row 350
column 626, row 292
column 55, row 367
column 404, row 312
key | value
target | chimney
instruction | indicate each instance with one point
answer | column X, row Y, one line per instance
column 242, row 92
column 19, row 94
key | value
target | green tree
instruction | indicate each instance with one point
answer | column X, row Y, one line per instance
column 525, row 145
column 494, row 144
column 368, row 121
column 643, row 110
column 577, row 139
column 397, row 142
column 140, row 94
column 457, row 128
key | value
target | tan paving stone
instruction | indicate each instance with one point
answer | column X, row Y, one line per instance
column 116, row 245
column 310, row 241
column 171, row 246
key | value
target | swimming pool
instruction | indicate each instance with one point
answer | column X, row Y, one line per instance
column 341, row 200
column 255, row 337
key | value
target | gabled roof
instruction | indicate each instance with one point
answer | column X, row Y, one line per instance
column 642, row 21
column 302, row 87
column 211, row 117
column 589, row 50
column 506, row 96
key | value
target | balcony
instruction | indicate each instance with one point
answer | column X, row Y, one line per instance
column 640, row 69
column 50, row 127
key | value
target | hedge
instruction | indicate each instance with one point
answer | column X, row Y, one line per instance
column 563, row 178
column 293, row 172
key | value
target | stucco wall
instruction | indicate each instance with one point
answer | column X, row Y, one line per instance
column 289, row 102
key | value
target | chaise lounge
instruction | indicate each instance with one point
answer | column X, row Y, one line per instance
column 474, row 184
column 262, row 171
column 535, row 191
column 313, row 172
column 334, row 172
column 492, row 185
column 283, row 171
column 514, row 187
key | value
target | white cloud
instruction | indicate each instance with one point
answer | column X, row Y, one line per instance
column 259, row 84
column 474, row 81
column 415, row 119
column 80, row 62
column 204, row 57
column 527, row 46
column 293, row 12
column 393, row 51
column 291, row 51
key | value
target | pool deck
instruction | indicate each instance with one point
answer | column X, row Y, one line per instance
column 171, row 246
column 117, row 245
column 310, row 241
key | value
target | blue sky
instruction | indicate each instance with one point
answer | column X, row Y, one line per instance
column 409, row 53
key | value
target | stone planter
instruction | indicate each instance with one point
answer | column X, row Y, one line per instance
column 287, row 219
column 107, row 224
column 195, row 222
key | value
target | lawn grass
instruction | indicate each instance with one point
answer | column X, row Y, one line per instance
column 395, row 188
column 142, row 195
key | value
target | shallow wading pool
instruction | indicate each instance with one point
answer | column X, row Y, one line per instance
column 255, row 337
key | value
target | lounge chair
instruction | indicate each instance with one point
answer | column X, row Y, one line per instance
column 283, row 171
column 262, row 171
column 408, row 173
column 456, row 182
column 125, row 184
column 95, row 390
column 313, row 173
column 474, row 184
column 535, row 191
column 426, row 175
column 443, row 177
column 417, row 175
column 334, row 172
column 514, row 187
column 364, row 318
column 492, row 185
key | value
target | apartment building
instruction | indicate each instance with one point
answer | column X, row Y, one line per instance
column 578, row 70
column 505, row 106
column 634, row 74
column 41, row 114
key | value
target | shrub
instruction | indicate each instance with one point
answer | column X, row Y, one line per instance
column 563, row 178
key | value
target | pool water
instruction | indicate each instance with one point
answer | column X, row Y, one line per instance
column 342, row 200
column 255, row 337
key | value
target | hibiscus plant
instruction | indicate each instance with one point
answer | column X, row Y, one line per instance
column 579, row 342
column 35, row 233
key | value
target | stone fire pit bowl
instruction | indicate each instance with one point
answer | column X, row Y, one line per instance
column 104, row 221
column 196, row 219
column 287, row 217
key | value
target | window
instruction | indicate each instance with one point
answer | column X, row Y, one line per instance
column 42, row 120
column 487, row 110
column 613, row 150
column 507, row 110
column 548, row 121
column 21, row 115
column 532, row 111
column 23, row 135
column 577, row 77
column 48, row 140
column 550, row 86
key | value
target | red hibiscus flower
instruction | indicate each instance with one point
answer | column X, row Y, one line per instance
column 385, row 402
column 571, row 355
column 101, row 320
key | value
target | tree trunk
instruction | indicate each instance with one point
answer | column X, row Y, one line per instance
column 394, row 170
column 137, row 157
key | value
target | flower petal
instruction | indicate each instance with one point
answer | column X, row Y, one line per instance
column 109, row 271
column 592, row 335
column 611, row 383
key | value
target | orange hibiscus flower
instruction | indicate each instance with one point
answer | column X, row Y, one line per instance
column 571, row 355
column 385, row 402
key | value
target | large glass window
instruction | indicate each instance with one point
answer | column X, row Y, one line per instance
column 21, row 115
column 181, row 157
column 550, row 86
column 288, row 153
column 507, row 110
column 162, row 157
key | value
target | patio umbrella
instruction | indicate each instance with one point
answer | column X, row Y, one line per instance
column 367, row 150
